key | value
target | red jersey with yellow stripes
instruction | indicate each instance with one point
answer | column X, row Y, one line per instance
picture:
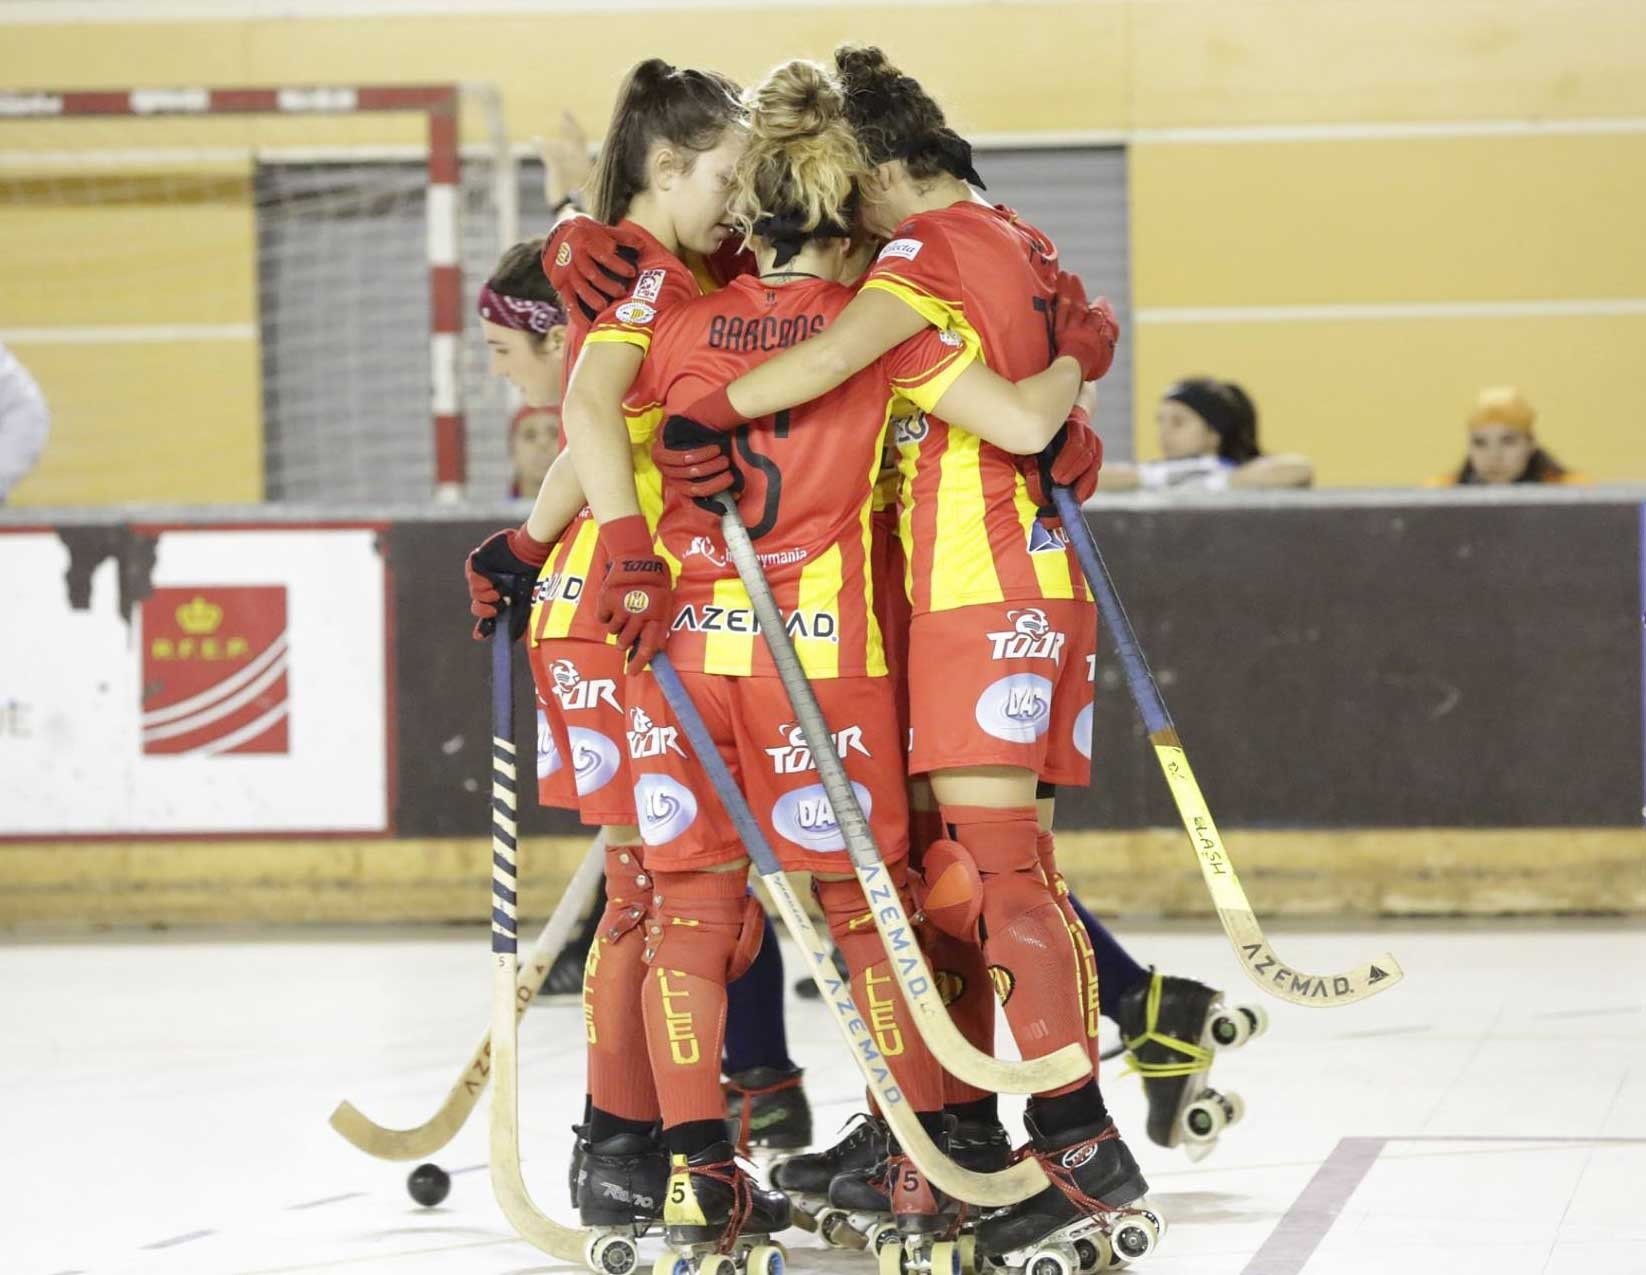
column 564, row 597
column 969, row 529
column 809, row 477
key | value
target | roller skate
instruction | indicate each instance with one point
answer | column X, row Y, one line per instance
column 620, row 1183
column 1091, row 1218
column 719, row 1221
column 767, row 1107
column 908, row 1224
column 982, row 1146
column 805, row 1179
column 1172, row 1028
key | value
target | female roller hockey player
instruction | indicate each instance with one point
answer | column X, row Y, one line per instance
column 804, row 487
column 684, row 122
column 1003, row 632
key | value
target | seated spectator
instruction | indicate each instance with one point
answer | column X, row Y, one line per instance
column 1208, row 440
column 24, row 422
column 534, row 442
column 1502, row 447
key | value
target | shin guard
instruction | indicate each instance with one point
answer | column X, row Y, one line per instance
column 692, row 936
column 963, row 978
column 619, row 1073
column 1026, row 942
column 875, row 991
column 1046, row 849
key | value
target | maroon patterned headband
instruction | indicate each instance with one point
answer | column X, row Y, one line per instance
column 516, row 313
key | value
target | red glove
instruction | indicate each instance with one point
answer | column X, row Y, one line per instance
column 1085, row 331
column 502, row 572
column 592, row 263
column 1072, row 459
column 634, row 597
column 698, row 459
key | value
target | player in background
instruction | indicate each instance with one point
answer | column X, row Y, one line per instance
column 1003, row 632
column 804, row 482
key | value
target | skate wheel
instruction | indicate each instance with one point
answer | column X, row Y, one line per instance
column 668, row 1263
column 1133, row 1238
column 717, row 1264
column 766, row 1259
column 1205, row 1118
column 1156, row 1220
column 612, row 1254
column 945, row 1258
column 1092, row 1253
column 1227, row 1029
column 1256, row 1017
column 884, row 1234
column 834, row 1225
column 890, row 1258
column 1234, row 1107
column 967, row 1246
column 1050, row 1261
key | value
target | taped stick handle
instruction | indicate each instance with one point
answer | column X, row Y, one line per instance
column 505, row 830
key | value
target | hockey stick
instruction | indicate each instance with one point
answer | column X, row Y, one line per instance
column 567, row 1243
column 957, row 1054
column 991, row 1189
column 1257, row 957
column 440, row 1128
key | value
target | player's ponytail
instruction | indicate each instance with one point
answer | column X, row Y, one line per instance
column 896, row 119
column 658, row 103
column 798, row 178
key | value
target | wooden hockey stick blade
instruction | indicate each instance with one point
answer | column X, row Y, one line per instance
column 508, row 1185
column 992, row 1190
column 425, row 1139
column 957, row 1054
column 1240, row 923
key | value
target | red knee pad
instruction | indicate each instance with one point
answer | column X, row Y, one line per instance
column 628, row 892
column 1004, row 845
column 949, row 889
column 698, row 923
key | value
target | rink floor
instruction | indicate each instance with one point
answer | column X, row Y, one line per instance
column 165, row 1104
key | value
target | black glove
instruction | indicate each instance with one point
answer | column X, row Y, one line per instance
column 700, row 460
column 502, row 573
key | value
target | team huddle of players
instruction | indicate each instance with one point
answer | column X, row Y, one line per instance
column 795, row 298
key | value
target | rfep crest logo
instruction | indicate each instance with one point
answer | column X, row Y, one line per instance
column 215, row 671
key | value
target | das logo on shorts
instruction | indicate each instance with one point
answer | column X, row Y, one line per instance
column 665, row 806
column 806, row 818
column 215, row 663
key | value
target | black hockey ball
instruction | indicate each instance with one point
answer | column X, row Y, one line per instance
column 429, row 1184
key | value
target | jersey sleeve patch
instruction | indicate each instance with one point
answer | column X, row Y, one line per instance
column 906, row 249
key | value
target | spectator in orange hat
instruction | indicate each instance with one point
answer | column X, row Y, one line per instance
column 534, row 442
column 1502, row 447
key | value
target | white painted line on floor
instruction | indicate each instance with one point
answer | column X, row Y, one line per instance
column 330, row 1199
column 1304, row 1225
column 175, row 1240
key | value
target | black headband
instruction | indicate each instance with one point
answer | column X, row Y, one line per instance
column 952, row 151
column 1207, row 401
column 788, row 233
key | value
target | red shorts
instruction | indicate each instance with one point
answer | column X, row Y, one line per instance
column 891, row 610
column 581, row 762
column 681, row 819
column 1004, row 684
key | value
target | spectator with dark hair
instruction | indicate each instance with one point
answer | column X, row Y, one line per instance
column 1208, row 441
column 1502, row 447
column 534, row 442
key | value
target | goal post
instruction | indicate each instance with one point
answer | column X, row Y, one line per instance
column 314, row 329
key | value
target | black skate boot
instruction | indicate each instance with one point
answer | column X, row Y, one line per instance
column 1172, row 1028
column 767, row 1107
column 1093, row 1208
column 805, row 1178
column 714, row 1211
column 580, row 1146
column 980, row 1145
column 620, row 1183
column 893, row 1204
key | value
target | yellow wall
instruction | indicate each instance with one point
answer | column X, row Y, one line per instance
column 1244, row 222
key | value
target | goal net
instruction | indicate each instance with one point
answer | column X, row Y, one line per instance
column 248, row 294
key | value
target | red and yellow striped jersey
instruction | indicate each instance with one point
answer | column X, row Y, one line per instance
column 809, row 478
column 969, row 529
column 563, row 599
